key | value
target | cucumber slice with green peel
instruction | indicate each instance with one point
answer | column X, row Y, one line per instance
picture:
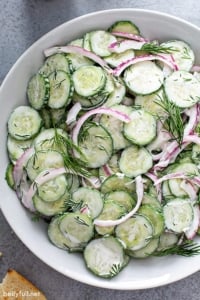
column 51, row 139
column 54, row 233
column 155, row 216
column 175, row 187
column 124, row 26
column 115, row 59
column 46, row 117
column 43, row 160
column 38, row 91
column 24, row 123
column 167, row 240
column 118, row 182
column 53, row 189
column 150, row 103
column 117, row 96
column 91, row 102
column 58, row 117
column 87, row 200
column 73, row 182
column 16, row 148
column 148, row 250
column 61, row 89
column 77, row 42
column 135, row 233
column 182, row 89
column 196, row 153
column 182, row 53
column 105, row 257
column 9, row 176
column 143, row 78
column 86, row 41
column 89, row 80
column 116, row 127
column 76, row 61
column 151, row 200
column 95, row 144
column 111, row 211
column 141, row 130
column 51, row 208
column 178, row 215
column 54, row 63
column 135, row 161
column 100, row 40
column 77, row 229
column 122, row 198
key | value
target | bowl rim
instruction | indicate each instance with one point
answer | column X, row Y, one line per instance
column 96, row 283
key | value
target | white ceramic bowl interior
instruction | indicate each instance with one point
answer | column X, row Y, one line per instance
column 139, row 274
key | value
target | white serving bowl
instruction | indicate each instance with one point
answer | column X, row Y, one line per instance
column 139, row 274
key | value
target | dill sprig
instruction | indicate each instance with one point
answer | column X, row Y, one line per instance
column 155, row 48
column 188, row 248
column 174, row 122
column 66, row 147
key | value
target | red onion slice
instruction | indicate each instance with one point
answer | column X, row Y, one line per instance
column 140, row 193
column 165, row 59
column 73, row 112
column 101, row 110
column 130, row 36
column 80, row 51
column 20, row 164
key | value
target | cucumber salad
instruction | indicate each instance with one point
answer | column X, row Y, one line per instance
column 107, row 149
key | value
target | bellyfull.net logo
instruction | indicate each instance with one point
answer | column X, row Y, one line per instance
column 17, row 294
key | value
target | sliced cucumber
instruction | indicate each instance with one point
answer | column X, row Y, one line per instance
column 54, row 233
column 178, row 214
column 105, row 256
column 9, row 176
column 100, row 40
column 182, row 54
column 111, row 211
column 49, row 209
column 135, row 161
column 38, row 91
column 95, row 144
column 24, row 123
column 87, row 200
column 151, row 200
column 150, row 103
column 182, row 89
column 124, row 26
column 115, row 59
column 117, row 96
column 78, row 230
column 141, row 130
column 146, row 251
column 54, row 63
column 89, row 80
column 167, row 240
column 17, row 147
column 122, row 198
column 135, row 233
column 175, row 184
column 51, row 139
column 61, row 89
column 118, row 182
column 53, row 189
column 115, row 127
column 43, row 160
column 155, row 216
column 143, row 78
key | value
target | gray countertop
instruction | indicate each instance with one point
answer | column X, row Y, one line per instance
column 23, row 22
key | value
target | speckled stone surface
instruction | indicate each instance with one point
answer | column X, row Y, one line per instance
column 21, row 23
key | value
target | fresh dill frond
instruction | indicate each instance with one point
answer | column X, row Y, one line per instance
column 66, row 147
column 81, row 221
column 174, row 122
column 73, row 206
column 155, row 48
column 188, row 248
